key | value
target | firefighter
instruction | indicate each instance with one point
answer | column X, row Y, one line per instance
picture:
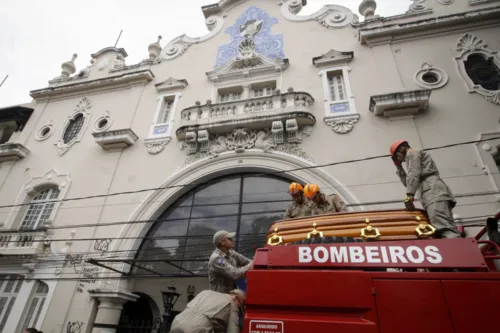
column 436, row 197
column 225, row 265
column 321, row 203
column 209, row 312
column 300, row 206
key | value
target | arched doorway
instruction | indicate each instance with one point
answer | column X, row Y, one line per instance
column 137, row 317
column 244, row 203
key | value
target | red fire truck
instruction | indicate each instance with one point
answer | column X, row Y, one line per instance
column 364, row 285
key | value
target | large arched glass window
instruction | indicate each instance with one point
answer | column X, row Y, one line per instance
column 40, row 209
column 246, row 204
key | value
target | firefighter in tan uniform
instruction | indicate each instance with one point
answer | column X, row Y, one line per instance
column 225, row 265
column 422, row 173
column 300, row 206
column 210, row 312
column 321, row 203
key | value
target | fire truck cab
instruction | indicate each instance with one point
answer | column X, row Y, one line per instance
column 366, row 286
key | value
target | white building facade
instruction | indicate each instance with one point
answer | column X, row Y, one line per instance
column 114, row 179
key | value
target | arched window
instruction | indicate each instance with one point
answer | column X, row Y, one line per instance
column 483, row 72
column 246, row 204
column 40, row 209
column 9, row 289
column 36, row 305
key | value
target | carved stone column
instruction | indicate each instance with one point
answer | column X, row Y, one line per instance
column 109, row 309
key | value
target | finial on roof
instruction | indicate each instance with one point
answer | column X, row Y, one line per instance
column 68, row 67
column 367, row 8
column 154, row 49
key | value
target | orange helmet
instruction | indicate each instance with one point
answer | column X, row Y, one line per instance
column 396, row 145
column 310, row 190
column 295, row 188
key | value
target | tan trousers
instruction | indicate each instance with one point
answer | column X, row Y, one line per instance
column 441, row 217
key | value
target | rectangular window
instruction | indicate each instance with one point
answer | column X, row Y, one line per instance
column 260, row 92
column 9, row 289
column 229, row 97
column 36, row 305
column 337, row 87
column 165, row 111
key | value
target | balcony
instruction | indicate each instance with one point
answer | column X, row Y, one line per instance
column 22, row 242
column 12, row 152
column 254, row 113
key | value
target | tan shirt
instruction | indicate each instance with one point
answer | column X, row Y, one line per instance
column 208, row 308
column 423, row 175
column 295, row 210
column 333, row 204
column 225, row 269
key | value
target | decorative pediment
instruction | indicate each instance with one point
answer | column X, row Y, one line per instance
column 245, row 66
column 109, row 49
column 171, row 84
column 333, row 58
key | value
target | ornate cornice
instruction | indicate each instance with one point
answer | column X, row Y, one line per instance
column 122, row 79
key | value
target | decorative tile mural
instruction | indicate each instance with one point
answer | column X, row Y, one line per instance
column 253, row 28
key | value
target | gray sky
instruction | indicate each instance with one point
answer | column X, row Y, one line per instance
column 37, row 36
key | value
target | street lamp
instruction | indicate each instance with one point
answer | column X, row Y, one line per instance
column 169, row 298
column 190, row 292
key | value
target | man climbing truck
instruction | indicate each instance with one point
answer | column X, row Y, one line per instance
column 359, row 275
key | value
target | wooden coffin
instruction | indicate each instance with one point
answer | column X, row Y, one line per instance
column 365, row 225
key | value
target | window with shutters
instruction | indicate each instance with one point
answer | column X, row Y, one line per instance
column 160, row 131
column 337, row 87
column 35, row 305
column 9, row 289
column 260, row 92
column 339, row 100
column 166, row 109
column 40, row 209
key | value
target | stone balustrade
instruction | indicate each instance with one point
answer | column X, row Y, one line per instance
column 287, row 102
column 22, row 242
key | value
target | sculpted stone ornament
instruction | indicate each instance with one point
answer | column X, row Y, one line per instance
column 467, row 46
column 156, row 146
column 179, row 45
column 342, row 124
column 119, row 62
column 330, row 16
column 241, row 139
column 417, row 5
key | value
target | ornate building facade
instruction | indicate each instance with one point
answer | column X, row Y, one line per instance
column 114, row 179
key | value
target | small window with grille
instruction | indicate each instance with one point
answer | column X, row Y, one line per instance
column 35, row 306
column 73, row 129
column 9, row 289
column 40, row 209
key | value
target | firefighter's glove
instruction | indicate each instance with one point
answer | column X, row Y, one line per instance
column 409, row 202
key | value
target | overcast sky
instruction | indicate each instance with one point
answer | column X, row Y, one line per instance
column 37, row 36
